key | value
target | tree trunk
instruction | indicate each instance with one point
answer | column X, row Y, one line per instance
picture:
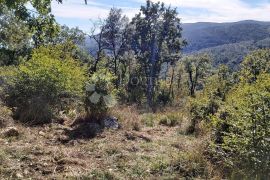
column 151, row 78
column 171, row 83
column 94, row 68
column 179, row 81
column 191, row 85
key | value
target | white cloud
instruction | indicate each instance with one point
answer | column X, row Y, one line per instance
column 77, row 9
column 220, row 10
column 189, row 10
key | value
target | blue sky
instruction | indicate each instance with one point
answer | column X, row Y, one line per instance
column 76, row 13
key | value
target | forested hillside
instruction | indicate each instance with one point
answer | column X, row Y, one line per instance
column 234, row 53
column 227, row 43
column 137, row 102
column 207, row 35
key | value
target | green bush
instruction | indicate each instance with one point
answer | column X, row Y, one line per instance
column 242, row 126
column 170, row 120
column 254, row 64
column 100, row 94
column 39, row 84
column 202, row 109
column 163, row 96
column 211, row 99
column 247, row 117
column 191, row 165
column 149, row 119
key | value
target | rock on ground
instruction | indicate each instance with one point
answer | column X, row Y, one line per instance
column 111, row 123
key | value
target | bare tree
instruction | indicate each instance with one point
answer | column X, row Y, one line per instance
column 98, row 38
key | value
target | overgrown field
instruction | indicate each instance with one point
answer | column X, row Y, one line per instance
column 144, row 150
column 132, row 106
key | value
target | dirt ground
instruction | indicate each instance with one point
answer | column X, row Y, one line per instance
column 49, row 152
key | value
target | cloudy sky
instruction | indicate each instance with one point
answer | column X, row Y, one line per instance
column 76, row 13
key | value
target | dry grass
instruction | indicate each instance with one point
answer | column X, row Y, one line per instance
column 128, row 116
column 157, row 152
column 5, row 115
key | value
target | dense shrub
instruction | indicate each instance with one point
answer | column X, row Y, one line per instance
column 247, row 138
column 209, row 101
column 163, row 96
column 100, row 94
column 39, row 84
column 171, row 119
column 149, row 119
column 242, row 126
column 254, row 64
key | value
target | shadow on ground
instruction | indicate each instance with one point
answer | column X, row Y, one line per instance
column 85, row 130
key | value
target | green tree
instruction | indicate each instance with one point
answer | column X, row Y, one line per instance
column 157, row 29
column 15, row 39
column 66, row 34
column 242, row 123
column 43, row 7
column 254, row 64
column 44, row 29
column 40, row 21
column 196, row 67
column 113, row 38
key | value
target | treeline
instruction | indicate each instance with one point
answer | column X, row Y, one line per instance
column 139, row 48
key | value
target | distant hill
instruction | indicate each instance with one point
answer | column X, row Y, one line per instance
column 206, row 35
column 228, row 43
column 233, row 54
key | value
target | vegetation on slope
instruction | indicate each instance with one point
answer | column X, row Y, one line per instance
column 136, row 109
column 216, row 34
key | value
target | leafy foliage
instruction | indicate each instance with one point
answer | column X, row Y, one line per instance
column 100, row 94
column 247, row 117
column 216, row 34
column 157, row 39
column 141, row 61
column 254, row 64
column 14, row 38
column 42, row 81
column 196, row 68
column 242, row 122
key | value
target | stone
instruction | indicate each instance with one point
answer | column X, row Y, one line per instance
column 111, row 123
column 10, row 132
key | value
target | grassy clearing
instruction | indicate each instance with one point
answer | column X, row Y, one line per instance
column 150, row 152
